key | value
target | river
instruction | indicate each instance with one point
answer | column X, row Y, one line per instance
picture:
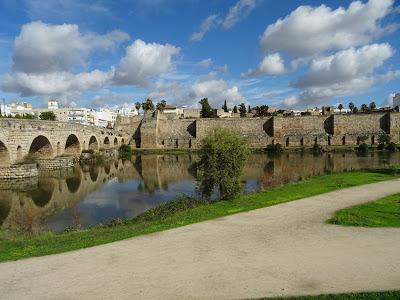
column 88, row 195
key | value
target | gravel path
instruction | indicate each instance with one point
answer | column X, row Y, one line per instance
column 276, row 251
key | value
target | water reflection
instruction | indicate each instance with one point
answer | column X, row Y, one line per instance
column 90, row 194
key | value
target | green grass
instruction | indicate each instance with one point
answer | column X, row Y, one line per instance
column 384, row 212
column 389, row 295
column 13, row 247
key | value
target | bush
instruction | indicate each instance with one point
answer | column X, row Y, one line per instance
column 274, row 148
column 222, row 159
column 380, row 147
column 391, row 147
column 363, row 148
column 125, row 152
column 317, row 148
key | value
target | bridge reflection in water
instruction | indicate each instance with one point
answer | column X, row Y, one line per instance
column 88, row 195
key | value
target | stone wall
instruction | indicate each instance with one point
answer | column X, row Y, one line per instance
column 56, row 163
column 19, row 171
column 177, row 133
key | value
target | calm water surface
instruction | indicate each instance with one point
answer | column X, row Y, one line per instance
column 89, row 195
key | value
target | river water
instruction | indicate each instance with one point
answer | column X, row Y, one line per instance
column 88, row 195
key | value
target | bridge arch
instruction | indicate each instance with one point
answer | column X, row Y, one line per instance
column 93, row 143
column 72, row 145
column 74, row 182
column 41, row 147
column 106, row 142
column 4, row 155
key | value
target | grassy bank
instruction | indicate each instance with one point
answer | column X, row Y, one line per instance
column 13, row 247
column 389, row 295
column 384, row 212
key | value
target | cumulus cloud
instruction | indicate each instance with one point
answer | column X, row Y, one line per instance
column 272, row 64
column 236, row 13
column 312, row 30
column 144, row 61
column 42, row 48
column 346, row 72
column 55, row 83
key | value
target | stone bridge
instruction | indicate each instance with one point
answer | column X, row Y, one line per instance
column 21, row 139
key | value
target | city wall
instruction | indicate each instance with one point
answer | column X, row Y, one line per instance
column 332, row 130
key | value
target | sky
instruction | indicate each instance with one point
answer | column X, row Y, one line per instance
column 289, row 54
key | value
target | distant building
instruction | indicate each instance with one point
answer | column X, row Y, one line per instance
column 396, row 100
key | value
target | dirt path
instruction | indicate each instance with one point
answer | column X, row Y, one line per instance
column 280, row 250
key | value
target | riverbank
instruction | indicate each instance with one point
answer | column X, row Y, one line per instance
column 384, row 212
column 16, row 247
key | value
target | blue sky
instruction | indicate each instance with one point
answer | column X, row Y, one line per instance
column 292, row 54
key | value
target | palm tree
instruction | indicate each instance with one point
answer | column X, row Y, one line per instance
column 351, row 106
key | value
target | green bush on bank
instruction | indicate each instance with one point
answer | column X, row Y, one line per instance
column 125, row 152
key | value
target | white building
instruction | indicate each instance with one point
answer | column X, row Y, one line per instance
column 105, row 118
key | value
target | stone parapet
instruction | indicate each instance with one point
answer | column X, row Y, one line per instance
column 19, row 171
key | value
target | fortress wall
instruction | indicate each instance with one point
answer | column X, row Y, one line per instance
column 349, row 128
column 176, row 133
column 394, row 127
column 302, row 131
column 258, row 131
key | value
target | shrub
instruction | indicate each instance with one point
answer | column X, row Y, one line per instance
column 125, row 152
column 222, row 158
column 317, row 149
column 391, row 147
column 362, row 148
column 274, row 148
column 380, row 146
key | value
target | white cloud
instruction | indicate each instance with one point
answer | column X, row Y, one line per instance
column 209, row 23
column 205, row 63
column 42, row 48
column 144, row 61
column 236, row 13
column 239, row 11
column 55, row 83
column 346, row 72
column 312, row 30
column 272, row 64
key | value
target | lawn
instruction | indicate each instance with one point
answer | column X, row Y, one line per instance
column 384, row 212
column 390, row 295
column 14, row 247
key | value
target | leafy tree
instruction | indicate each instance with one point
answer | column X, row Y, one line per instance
column 235, row 110
column 242, row 109
column 340, row 107
column 372, row 105
column 262, row 111
column 148, row 105
column 222, row 158
column 47, row 115
column 351, row 106
column 383, row 138
column 161, row 105
column 355, row 110
column 225, row 107
column 138, row 105
column 364, row 107
column 206, row 110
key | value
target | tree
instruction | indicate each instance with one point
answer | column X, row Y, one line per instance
column 396, row 108
column 206, row 110
column 351, row 106
column 340, row 107
column 222, row 158
column 138, row 105
column 47, row 115
column 383, row 138
column 364, row 107
column 249, row 109
column 225, row 107
column 161, row 105
column 372, row 105
column 242, row 109
column 355, row 110
column 262, row 111
column 235, row 110
column 148, row 105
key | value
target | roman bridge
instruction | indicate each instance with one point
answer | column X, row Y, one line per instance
column 21, row 139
